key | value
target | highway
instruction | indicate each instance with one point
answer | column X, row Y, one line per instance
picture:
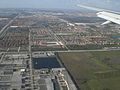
column 86, row 50
column 30, row 53
column 97, row 50
column 57, row 38
column 3, row 55
column 7, row 25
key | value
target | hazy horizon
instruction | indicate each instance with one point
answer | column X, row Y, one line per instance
column 59, row 4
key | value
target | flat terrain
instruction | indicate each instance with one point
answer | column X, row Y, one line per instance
column 94, row 70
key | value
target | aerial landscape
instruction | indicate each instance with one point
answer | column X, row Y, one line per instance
column 49, row 47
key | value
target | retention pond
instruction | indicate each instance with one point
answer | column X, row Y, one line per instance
column 45, row 62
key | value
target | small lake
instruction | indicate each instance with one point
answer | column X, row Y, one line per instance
column 45, row 62
column 115, row 37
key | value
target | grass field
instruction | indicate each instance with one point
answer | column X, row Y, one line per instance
column 94, row 70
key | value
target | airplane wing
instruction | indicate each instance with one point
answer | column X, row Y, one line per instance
column 108, row 15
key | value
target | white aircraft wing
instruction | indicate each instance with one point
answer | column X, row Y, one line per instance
column 108, row 15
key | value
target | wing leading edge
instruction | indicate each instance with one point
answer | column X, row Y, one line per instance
column 108, row 15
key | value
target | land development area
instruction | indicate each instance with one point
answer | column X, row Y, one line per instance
column 58, row 50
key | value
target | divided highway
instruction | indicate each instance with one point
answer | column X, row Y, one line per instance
column 7, row 25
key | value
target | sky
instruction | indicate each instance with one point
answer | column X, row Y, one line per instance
column 59, row 4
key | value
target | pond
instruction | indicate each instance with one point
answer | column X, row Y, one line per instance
column 45, row 62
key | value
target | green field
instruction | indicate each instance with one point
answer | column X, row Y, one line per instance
column 94, row 70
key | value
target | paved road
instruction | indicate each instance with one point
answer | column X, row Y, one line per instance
column 31, row 70
column 7, row 25
column 2, row 58
column 57, row 38
column 99, row 50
